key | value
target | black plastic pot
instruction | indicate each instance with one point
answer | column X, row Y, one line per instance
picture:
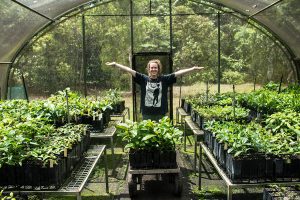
column 222, row 154
column 187, row 107
column 149, row 159
column 199, row 120
column 119, row 107
column 8, row 175
column 286, row 168
column 168, row 159
column 246, row 168
column 193, row 115
column 140, row 159
column 106, row 116
column 207, row 137
column 182, row 103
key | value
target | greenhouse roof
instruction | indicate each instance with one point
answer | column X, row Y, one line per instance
column 21, row 20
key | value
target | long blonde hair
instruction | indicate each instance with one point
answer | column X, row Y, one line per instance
column 158, row 64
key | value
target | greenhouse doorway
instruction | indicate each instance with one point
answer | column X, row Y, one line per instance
column 139, row 63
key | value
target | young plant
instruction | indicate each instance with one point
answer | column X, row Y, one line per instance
column 150, row 135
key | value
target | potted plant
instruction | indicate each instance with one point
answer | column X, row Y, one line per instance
column 151, row 144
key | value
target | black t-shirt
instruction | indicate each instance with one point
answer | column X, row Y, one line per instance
column 154, row 93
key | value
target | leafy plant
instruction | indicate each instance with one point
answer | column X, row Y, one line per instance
column 149, row 134
column 253, row 138
column 7, row 197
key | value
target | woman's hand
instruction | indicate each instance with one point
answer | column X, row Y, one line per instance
column 111, row 63
column 197, row 68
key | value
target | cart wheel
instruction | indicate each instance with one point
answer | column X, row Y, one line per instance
column 177, row 185
column 132, row 184
column 132, row 188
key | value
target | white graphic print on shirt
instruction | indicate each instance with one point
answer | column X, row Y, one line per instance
column 153, row 94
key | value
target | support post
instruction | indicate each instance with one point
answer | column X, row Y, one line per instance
column 106, row 171
column 219, row 53
column 200, row 167
column 229, row 192
column 195, row 152
column 84, row 63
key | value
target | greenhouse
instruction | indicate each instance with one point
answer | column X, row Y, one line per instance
column 150, row 99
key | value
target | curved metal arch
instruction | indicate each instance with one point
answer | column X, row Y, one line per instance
column 57, row 20
column 90, row 4
column 47, row 27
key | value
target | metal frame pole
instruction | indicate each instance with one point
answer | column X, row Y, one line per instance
column 200, row 167
column 84, row 62
column 219, row 53
column 106, row 171
column 171, row 58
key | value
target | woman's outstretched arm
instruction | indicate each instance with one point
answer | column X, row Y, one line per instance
column 188, row 70
column 122, row 67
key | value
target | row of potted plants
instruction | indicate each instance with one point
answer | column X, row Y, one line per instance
column 38, row 143
column 257, row 152
column 43, row 159
column 266, row 150
column 65, row 106
column 262, row 102
column 201, row 114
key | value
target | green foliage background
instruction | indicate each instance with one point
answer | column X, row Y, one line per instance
column 54, row 61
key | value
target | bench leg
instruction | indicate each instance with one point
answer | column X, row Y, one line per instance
column 184, row 137
column 128, row 113
column 200, row 167
column 78, row 196
column 189, row 140
column 177, row 116
column 195, row 153
column 229, row 193
column 106, row 172
column 112, row 146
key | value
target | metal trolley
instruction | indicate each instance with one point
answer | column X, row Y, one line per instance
column 174, row 176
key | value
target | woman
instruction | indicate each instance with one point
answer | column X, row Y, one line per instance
column 154, row 87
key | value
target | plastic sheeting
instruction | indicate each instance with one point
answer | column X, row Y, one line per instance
column 22, row 19
column 19, row 23
column 281, row 17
